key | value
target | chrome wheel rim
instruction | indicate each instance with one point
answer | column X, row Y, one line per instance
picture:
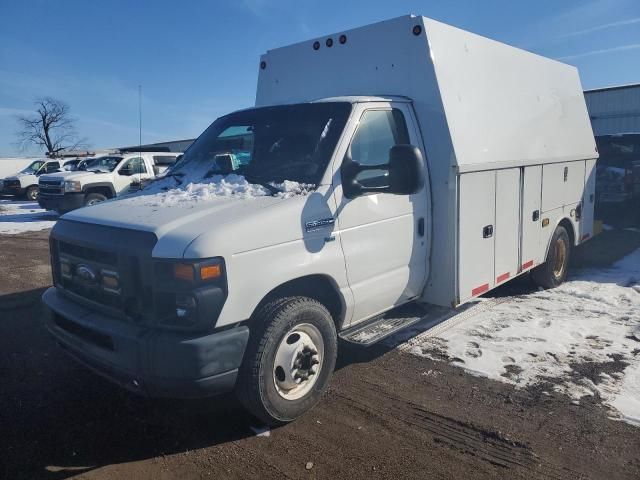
column 298, row 361
column 560, row 251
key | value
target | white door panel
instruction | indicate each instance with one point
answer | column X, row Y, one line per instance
column 476, row 241
column 532, row 253
column 507, row 231
column 385, row 254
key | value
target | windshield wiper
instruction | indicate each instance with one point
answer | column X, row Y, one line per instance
column 177, row 176
column 260, row 181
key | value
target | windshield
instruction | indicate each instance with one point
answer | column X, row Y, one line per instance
column 102, row 164
column 271, row 144
column 33, row 167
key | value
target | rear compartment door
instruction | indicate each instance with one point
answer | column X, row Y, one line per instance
column 507, row 231
column 530, row 248
column 588, row 200
column 476, row 227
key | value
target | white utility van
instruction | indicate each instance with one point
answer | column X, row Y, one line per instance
column 383, row 170
column 100, row 178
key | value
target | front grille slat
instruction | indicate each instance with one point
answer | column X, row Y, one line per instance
column 126, row 252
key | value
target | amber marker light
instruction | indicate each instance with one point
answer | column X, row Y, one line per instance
column 210, row 272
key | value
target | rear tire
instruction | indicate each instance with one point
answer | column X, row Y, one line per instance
column 289, row 360
column 553, row 271
column 94, row 198
column 32, row 193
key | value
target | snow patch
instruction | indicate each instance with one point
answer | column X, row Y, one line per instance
column 20, row 217
column 165, row 192
column 581, row 336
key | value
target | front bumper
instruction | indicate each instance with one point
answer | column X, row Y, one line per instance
column 11, row 190
column 61, row 203
column 148, row 361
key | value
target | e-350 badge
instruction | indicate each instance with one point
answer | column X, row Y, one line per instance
column 318, row 224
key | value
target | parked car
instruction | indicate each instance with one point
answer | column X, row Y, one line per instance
column 25, row 182
column 618, row 168
column 99, row 179
column 358, row 214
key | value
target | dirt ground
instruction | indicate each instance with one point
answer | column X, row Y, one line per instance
column 386, row 415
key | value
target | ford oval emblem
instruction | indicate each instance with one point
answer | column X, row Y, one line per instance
column 86, row 273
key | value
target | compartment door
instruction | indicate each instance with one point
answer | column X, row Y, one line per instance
column 507, row 231
column 588, row 200
column 476, row 233
column 530, row 249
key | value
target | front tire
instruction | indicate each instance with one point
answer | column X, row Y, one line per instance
column 94, row 198
column 32, row 193
column 289, row 359
column 553, row 271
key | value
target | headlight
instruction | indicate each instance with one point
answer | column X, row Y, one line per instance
column 72, row 186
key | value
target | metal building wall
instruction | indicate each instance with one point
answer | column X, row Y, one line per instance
column 614, row 109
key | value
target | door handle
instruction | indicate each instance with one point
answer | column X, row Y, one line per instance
column 487, row 232
column 421, row 226
column 536, row 215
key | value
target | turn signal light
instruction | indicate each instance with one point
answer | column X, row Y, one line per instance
column 210, row 272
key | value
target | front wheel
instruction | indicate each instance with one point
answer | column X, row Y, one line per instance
column 32, row 193
column 289, row 360
column 94, row 198
column 554, row 270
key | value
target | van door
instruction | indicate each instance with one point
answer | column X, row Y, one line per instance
column 382, row 235
column 531, row 250
column 131, row 171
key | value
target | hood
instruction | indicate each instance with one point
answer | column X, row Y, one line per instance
column 233, row 221
column 80, row 174
column 58, row 176
column 18, row 176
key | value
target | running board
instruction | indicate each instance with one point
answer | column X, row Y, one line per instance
column 383, row 326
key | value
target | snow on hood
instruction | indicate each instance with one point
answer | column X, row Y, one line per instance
column 165, row 192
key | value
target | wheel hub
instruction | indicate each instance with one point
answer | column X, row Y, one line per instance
column 298, row 361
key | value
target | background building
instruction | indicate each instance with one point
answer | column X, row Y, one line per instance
column 614, row 109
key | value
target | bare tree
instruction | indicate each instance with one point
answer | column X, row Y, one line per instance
column 51, row 127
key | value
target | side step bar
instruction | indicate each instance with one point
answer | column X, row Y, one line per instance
column 378, row 328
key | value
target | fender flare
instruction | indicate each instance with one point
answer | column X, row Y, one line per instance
column 87, row 188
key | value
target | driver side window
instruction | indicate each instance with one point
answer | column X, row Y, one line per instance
column 133, row 166
column 378, row 131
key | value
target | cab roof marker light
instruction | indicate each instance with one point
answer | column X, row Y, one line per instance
column 329, row 42
column 342, row 39
column 316, row 45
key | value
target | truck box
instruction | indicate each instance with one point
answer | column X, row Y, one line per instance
column 497, row 123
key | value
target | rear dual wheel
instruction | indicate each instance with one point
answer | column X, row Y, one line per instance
column 553, row 271
column 289, row 359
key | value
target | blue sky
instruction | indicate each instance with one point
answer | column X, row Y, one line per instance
column 197, row 60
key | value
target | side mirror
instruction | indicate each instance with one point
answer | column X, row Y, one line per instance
column 406, row 173
column 125, row 172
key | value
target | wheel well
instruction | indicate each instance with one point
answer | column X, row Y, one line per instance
column 102, row 190
column 568, row 226
column 318, row 287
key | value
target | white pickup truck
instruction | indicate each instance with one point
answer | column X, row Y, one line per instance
column 100, row 179
column 384, row 173
column 25, row 182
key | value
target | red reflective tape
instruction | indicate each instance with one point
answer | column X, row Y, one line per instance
column 585, row 236
column 529, row 264
column 480, row 289
column 503, row 277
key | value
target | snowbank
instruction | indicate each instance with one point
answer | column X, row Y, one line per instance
column 19, row 217
column 581, row 337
